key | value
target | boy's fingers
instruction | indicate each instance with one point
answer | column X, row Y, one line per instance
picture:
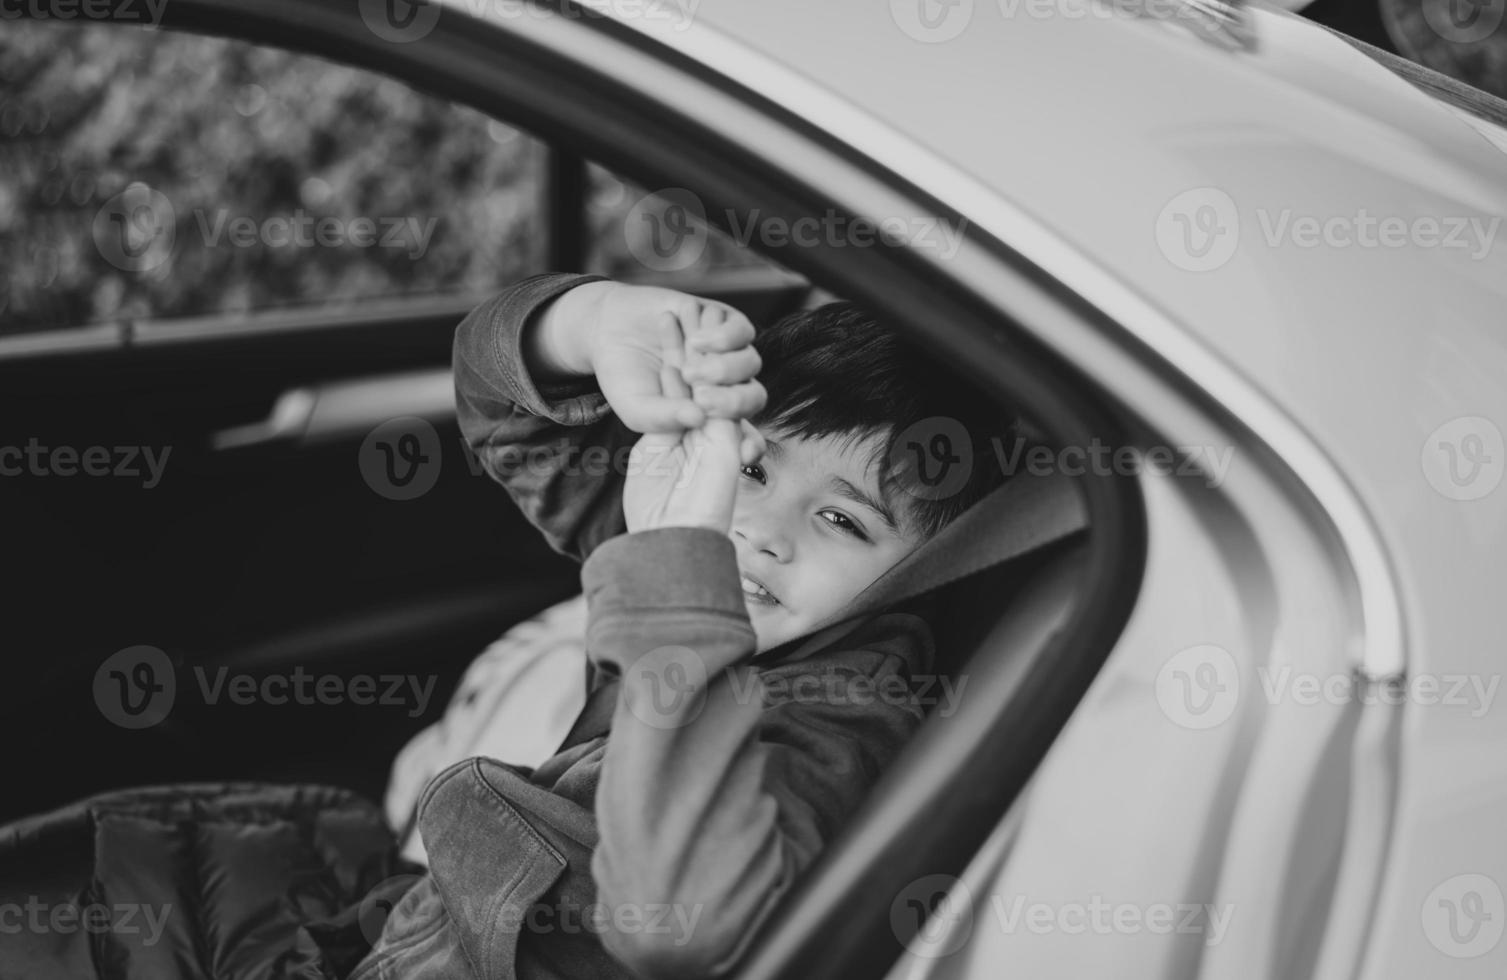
column 722, row 328
column 731, row 401
column 732, row 367
column 671, row 339
column 655, row 413
column 672, row 382
column 682, row 410
column 751, row 449
column 712, row 317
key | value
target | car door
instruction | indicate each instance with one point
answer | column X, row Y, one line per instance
column 228, row 451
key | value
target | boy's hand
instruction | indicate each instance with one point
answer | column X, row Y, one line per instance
column 689, row 478
column 621, row 334
column 641, row 326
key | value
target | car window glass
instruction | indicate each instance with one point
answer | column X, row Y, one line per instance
column 156, row 174
column 638, row 234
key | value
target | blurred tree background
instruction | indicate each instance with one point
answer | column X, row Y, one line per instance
column 1465, row 39
column 223, row 129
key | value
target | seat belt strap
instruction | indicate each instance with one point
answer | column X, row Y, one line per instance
column 1024, row 515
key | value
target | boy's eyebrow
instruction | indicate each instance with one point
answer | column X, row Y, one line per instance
column 861, row 496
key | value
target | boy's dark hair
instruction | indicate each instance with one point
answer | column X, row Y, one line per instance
column 839, row 371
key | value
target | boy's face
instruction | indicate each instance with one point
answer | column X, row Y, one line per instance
column 810, row 526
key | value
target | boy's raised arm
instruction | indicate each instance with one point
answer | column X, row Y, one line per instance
column 549, row 439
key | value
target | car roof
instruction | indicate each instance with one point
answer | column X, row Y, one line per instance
column 1073, row 134
column 1092, row 123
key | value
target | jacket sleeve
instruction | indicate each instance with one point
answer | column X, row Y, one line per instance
column 713, row 798
column 556, row 448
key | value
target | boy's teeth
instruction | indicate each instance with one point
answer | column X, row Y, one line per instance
column 753, row 588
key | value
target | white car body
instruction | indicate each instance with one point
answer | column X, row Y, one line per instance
column 1341, row 832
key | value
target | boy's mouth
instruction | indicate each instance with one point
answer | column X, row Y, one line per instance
column 755, row 591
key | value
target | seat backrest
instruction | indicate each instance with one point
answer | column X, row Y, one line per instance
column 1005, row 621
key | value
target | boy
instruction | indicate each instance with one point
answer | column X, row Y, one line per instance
column 751, row 510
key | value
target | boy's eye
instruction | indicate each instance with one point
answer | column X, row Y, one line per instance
column 843, row 523
column 754, row 472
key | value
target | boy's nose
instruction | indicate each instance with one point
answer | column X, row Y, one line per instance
column 760, row 539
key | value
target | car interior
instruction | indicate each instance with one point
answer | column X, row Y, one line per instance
column 265, row 548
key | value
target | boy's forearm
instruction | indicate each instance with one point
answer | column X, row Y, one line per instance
column 557, row 341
